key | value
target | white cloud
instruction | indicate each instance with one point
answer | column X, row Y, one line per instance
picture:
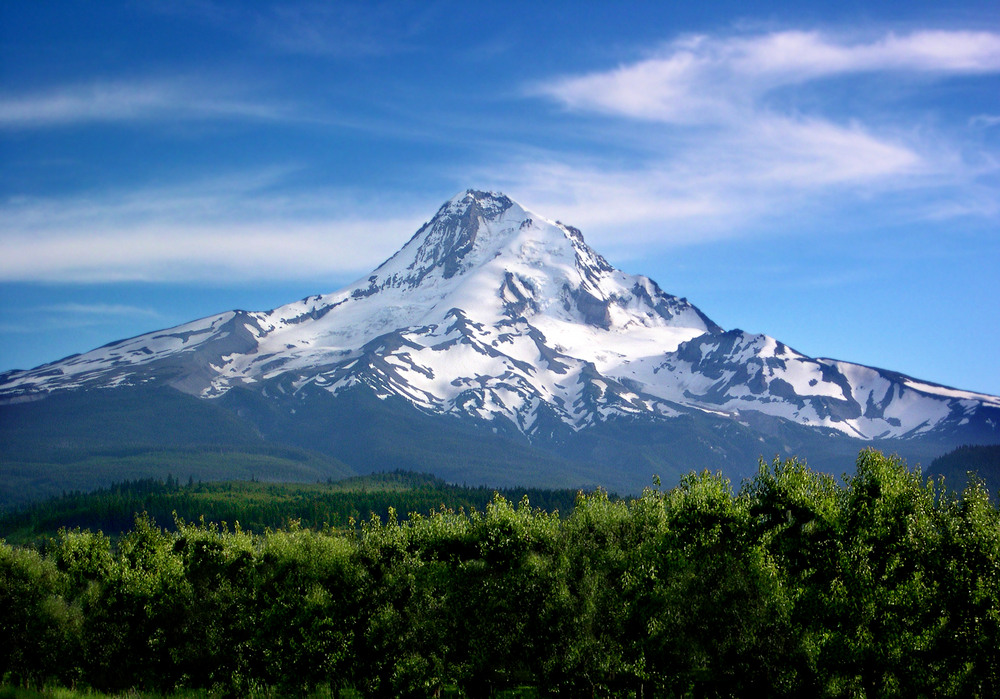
column 28, row 320
column 99, row 309
column 713, row 186
column 810, row 152
column 162, row 251
column 796, row 56
column 220, row 230
column 986, row 120
column 128, row 101
column 721, row 152
column 701, row 78
column 718, row 156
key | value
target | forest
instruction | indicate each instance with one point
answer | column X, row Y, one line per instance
column 258, row 505
column 794, row 584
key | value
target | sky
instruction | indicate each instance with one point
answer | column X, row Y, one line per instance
column 826, row 173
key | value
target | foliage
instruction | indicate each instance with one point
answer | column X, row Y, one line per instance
column 794, row 585
column 257, row 505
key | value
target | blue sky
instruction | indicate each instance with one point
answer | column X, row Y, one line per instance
column 825, row 173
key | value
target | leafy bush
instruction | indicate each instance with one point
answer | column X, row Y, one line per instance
column 795, row 585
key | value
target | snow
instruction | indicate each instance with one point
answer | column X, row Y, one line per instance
column 806, row 377
column 950, row 392
column 434, row 324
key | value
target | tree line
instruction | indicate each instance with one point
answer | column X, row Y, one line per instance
column 257, row 505
column 796, row 585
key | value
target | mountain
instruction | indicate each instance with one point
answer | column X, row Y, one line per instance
column 955, row 467
column 497, row 346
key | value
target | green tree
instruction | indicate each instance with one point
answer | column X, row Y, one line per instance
column 210, row 637
column 131, row 623
column 964, row 657
column 883, row 615
column 306, row 609
column 593, row 649
column 795, row 515
column 716, row 608
column 39, row 629
column 502, row 597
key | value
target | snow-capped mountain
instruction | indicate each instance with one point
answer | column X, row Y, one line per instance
column 494, row 313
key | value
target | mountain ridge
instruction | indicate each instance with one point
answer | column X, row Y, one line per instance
column 499, row 317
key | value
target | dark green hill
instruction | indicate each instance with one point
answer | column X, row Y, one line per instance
column 621, row 454
column 257, row 505
column 81, row 440
column 371, row 434
column 88, row 439
column 61, row 426
column 955, row 467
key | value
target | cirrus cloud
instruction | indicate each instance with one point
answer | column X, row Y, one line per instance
column 124, row 101
column 733, row 129
column 241, row 227
column 699, row 79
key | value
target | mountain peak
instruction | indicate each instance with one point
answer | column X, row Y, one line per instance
column 473, row 202
column 444, row 242
column 484, row 253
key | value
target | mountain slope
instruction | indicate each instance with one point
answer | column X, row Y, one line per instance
column 514, row 326
column 955, row 467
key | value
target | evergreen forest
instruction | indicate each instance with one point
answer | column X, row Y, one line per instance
column 794, row 584
column 258, row 505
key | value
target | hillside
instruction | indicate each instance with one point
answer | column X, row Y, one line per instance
column 258, row 506
column 955, row 467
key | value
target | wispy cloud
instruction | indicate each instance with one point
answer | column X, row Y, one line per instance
column 121, row 101
column 707, row 137
column 717, row 80
column 720, row 149
column 985, row 120
column 99, row 309
column 223, row 230
column 70, row 315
